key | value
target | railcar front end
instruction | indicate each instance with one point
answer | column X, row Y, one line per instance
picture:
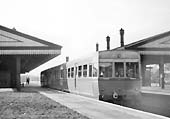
column 119, row 75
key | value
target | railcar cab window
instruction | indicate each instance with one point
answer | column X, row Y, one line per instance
column 79, row 71
column 72, row 72
column 119, row 69
column 132, row 70
column 90, row 70
column 84, row 70
column 68, row 72
column 105, row 69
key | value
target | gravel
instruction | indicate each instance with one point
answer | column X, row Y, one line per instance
column 32, row 105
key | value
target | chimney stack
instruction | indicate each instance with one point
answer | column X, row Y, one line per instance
column 97, row 47
column 108, row 42
column 67, row 59
column 14, row 29
column 121, row 37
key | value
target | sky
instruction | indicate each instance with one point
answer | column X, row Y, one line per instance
column 77, row 25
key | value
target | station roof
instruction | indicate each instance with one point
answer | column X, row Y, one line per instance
column 33, row 51
column 160, row 41
column 154, row 45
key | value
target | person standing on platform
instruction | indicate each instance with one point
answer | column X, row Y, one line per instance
column 28, row 80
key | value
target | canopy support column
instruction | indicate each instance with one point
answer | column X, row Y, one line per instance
column 162, row 74
column 143, row 69
column 18, row 70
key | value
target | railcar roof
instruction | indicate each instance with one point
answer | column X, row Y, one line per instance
column 88, row 58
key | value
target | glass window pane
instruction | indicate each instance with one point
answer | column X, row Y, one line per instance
column 105, row 69
column 90, row 70
column 68, row 72
column 72, row 72
column 85, row 70
column 132, row 69
column 95, row 69
column 119, row 69
column 79, row 71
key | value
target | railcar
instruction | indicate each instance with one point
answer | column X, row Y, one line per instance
column 55, row 78
column 104, row 75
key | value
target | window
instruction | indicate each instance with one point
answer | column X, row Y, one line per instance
column 90, row 70
column 119, row 69
column 132, row 69
column 68, row 72
column 95, row 69
column 85, row 70
column 79, row 71
column 72, row 72
column 105, row 69
column 61, row 73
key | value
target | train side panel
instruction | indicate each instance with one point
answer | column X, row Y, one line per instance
column 84, row 81
column 88, row 86
column 55, row 78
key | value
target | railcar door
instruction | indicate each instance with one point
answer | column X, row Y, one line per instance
column 75, row 80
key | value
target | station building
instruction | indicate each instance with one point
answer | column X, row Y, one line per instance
column 153, row 51
column 21, row 53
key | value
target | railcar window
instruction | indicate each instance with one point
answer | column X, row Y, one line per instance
column 132, row 69
column 90, row 70
column 79, row 71
column 105, row 69
column 85, row 70
column 119, row 69
column 72, row 72
column 95, row 70
column 68, row 72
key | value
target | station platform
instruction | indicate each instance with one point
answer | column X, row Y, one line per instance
column 96, row 109
column 155, row 100
column 156, row 90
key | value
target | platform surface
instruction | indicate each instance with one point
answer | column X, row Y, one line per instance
column 156, row 90
column 96, row 109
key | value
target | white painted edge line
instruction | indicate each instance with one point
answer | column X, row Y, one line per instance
column 6, row 90
column 159, row 93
